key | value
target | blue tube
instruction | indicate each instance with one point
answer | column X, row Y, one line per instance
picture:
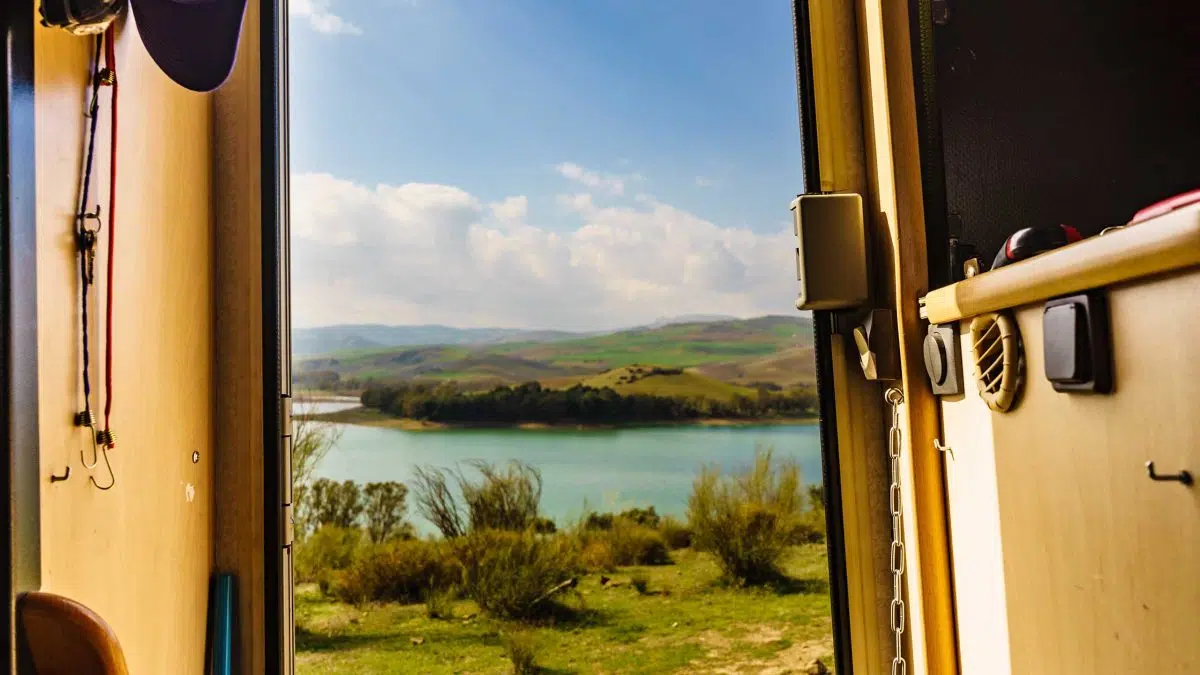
column 222, row 610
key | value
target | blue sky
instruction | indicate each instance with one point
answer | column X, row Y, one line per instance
column 611, row 115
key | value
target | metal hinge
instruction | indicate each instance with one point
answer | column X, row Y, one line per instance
column 289, row 525
column 285, row 414
column 285, row 469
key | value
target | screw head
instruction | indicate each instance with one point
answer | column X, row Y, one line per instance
column 195, row 457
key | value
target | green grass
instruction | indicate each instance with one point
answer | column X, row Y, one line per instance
column 676, row 346
column 680, row 384
column 686, row 623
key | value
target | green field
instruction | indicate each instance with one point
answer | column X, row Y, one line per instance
column 642, row 380
column 767, row 349
column 687, row 622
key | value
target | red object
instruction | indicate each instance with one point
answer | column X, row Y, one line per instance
column 110, row 62
column 1166, row 206
column 1031, row 241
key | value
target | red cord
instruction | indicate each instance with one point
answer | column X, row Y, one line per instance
column 110, row 62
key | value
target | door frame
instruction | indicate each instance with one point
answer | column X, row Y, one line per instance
column 20, row 475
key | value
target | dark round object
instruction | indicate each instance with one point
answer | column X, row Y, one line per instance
column 936, row 361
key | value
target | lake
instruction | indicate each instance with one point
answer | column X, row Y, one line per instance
column 607, row 469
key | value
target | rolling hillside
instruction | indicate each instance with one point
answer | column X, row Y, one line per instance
column 333, row 339
column 770, row 349
column 665, row 382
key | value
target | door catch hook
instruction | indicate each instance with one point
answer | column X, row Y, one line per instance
column 1184, row 476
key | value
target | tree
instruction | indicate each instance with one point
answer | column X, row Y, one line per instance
column 505, row 499
column 333, row 503
column 385, row 509
column 311, row 441
column 436, row 501
column 500, row 498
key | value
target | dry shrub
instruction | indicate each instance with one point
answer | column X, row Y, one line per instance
column 439, row 602
column 522, row 649
column 399, row 571
column 328, row 550
column 511, row 574
column 746, row 519
column 633, row 544
column 596, row 554
column 676, row 533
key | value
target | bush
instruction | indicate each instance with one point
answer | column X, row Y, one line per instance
column 677, row 534
column 596, row 554
column 808, row 528
column 625, row 543
column 604, row 521
column 500, row 499
column 399, row 571
column 329, row 549
column 513, row 575
column 746, row 520
column 522, row 649
column 505, row 499
column 647, row 516
column 439, row 603
column 633, row 544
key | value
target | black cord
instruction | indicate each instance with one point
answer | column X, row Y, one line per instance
column 85, row 237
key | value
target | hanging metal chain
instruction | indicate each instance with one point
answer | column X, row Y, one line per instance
column 895, row 397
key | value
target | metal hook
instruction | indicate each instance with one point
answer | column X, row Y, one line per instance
column 111, row 475
column 1183, row 476
column 95, row 449
column 937, row 445
column 66, row 475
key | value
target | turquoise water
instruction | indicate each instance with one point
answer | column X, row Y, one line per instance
column 607, row 469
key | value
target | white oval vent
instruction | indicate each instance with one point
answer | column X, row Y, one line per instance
column 996, row 348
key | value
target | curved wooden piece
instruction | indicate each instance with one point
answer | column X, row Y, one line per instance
column 1164, row 244
column 62, row 636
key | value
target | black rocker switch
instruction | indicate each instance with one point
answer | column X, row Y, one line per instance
column 1076, row 343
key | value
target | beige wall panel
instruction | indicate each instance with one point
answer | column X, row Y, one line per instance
column 1100, row 563
column 139, row 554
column 975, row 545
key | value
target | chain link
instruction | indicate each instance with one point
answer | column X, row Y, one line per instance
column 895, row 397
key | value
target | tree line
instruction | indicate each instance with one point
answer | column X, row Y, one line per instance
column 531, row 402
column 380, row 508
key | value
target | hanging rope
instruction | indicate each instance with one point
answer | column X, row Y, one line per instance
column 85, row 236
column 88, row 226
column 110, row 77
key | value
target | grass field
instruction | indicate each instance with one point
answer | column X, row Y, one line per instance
column 687, row 622
column 642, row 380
column 734, row 351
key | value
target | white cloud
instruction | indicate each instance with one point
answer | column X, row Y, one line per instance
column 317, row 13
column 420, row 253
column 612, row 184
column 705, row 181
column 510, row 209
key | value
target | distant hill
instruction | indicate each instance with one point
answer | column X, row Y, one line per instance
column 333, row 339
column 690, row 318
column 769, row 349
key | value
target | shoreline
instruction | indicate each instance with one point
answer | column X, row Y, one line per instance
column 371, row 418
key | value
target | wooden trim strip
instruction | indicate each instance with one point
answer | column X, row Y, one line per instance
column 897, row 200
column 1167, row 243
column 20, row 476
column 856, row 424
